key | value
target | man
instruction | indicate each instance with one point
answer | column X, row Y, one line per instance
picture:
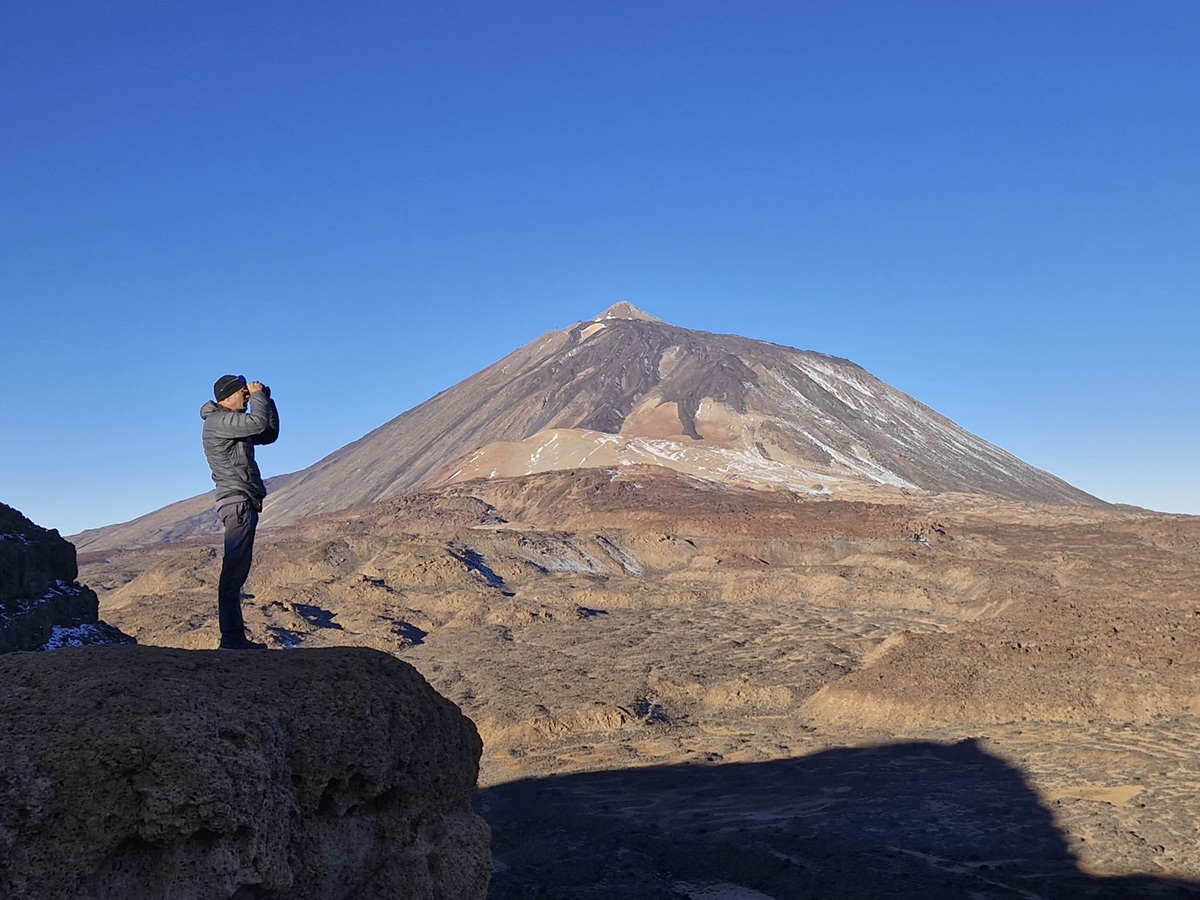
column 230, row 433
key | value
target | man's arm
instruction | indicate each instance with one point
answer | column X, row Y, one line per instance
column 261, row 402
column 234, row 425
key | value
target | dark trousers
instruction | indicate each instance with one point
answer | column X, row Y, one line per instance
column 240, row 520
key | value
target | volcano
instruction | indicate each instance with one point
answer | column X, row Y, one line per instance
column 626, row 388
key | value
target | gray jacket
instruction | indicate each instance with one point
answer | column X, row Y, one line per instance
column 229, row 439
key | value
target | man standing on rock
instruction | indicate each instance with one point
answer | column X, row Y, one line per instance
column 230, row 432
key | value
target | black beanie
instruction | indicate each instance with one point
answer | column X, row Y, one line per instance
column 227, row 386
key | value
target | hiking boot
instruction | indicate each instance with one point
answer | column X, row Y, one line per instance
column 243, row 644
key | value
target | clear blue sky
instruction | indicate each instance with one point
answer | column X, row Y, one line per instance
column 993, row 205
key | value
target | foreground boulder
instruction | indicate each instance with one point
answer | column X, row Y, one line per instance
column 146, row 772
column 41, row 605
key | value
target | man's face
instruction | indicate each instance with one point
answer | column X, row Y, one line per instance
column 237, row 400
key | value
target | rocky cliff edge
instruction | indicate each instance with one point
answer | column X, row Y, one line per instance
column 142, row 772
column 42, row 607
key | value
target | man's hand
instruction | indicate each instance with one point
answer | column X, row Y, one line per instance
column 255, row 386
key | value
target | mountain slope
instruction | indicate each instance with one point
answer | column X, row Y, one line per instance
column 628, row 388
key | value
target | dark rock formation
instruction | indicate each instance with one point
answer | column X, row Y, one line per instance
column 141, row 772
column 41, row 605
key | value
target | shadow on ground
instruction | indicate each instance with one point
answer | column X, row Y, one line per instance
column 913, row 820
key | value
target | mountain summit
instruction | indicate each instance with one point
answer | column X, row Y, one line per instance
column 627, row 388
column 626, row 310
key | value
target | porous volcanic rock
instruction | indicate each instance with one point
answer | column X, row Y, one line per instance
column 41, row 605
column 141, row 772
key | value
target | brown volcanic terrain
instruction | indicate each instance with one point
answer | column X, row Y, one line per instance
column 690, row 688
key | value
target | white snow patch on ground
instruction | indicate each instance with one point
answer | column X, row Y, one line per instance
column 631, row 565
column 537, row 454
column 60, row 589
column 803, row 402
column 600, row 443
column 19, row 538
column 910, row 424
column 662, row 449
column 831, row 388
column 845, row 385
column 594, row 328
column 561, row 564
column 860, row 466
column 877, row 472
column 748, row 464
column 850, row 377
column 722, row 463
column 565, row 558
column 75, row 636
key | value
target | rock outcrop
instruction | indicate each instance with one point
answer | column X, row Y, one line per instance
column 143, row 772
column 41, row 605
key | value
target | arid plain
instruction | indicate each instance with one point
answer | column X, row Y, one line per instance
column 694, row 689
